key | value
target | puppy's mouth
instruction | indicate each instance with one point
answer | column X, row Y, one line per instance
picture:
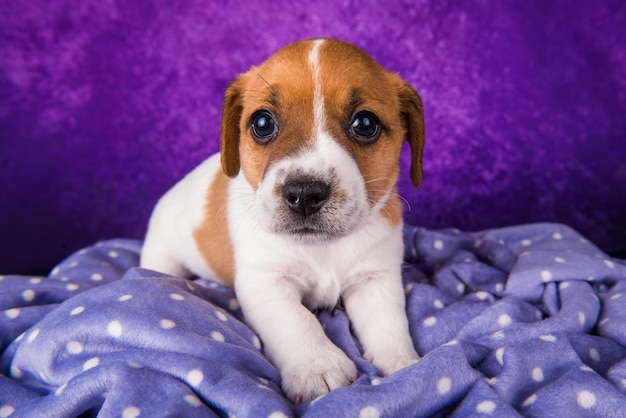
column 311, row 235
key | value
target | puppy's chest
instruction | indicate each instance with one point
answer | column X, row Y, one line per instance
column 321, row 280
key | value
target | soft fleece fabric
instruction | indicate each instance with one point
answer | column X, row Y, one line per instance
column 522, row 321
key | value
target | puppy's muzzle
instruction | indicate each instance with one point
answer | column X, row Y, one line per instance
column 305, row 197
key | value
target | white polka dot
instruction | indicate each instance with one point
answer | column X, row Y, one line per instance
column 500, row 355
column 134, row 365
column 77, row 310
column 233, row 304
column 91, row 363
column 537, row 374
column 526, row 242
column 20, row 337
column 33, row 335
column 124, row 298
column 478, row 243
column 218, row 336
column 190, row 287
column 563, row 285
column 557, row 236
column 74, row 347
column 369, row 412
column 460, row 288
column 376, row 381
column 408, row 288
column 96, row 277
column 6, row 410
column 582, row 318
column 195, row 377
column 16, row 372
column 586, row 368
column 486, row 407
column 444, row 385
column 438, row 244
column 256, row 342
column 221, row 316
column 28, row 295
column 438, row 304
column 609, row 264
column 177, row 296
column 586, row 399
column 73, row 264
column 451, row 343
column 498, row 335
column 113, row 254
column 623, row 383
column 115, row 329
column 60, row 389
column 193, row 400
column 559, row 260
column 548, row 338
column 504, row 320
column 530, row 400
column 64, row 279
column 430, row 321
column 546, row 275
column 71, row 287
column 482, row 295
column 276, row 414
column 615, row 296
column 499, row 287
column 131, row 412
column 167, row 323
column 12, row 313
column 55, row 271
column 594, row 354
column 35, row 280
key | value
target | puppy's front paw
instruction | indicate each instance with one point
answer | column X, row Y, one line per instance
column 315, row 377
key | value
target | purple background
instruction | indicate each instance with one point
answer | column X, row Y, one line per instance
column 105, row 104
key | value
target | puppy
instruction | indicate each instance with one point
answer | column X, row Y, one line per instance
column 301, row 210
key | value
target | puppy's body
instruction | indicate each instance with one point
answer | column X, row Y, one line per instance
column 303, row 210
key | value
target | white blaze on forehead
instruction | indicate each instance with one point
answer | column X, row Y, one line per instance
column 318, row 98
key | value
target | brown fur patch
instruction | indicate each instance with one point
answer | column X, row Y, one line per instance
column 212, row 237
column 352, row 82
column 284, row 86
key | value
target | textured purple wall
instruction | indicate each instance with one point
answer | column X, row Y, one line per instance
column 105, row 104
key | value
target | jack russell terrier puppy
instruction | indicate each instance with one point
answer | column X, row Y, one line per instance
column 301, row 210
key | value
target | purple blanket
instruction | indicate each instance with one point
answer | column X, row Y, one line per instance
column 527, row 320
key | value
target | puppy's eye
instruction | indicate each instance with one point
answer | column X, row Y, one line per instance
column 263, row 127
column 365, row 127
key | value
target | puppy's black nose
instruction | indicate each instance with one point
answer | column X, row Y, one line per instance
column 305, row 197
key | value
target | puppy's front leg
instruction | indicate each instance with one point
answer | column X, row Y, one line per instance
column 310, row 364
column 375, row 305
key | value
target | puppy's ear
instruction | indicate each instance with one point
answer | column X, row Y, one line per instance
column 412, row 114
column 230, row 132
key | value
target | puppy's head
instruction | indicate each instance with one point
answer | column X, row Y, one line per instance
column 317, row 131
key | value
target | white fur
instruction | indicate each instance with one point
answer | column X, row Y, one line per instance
column 277, row 276
column 169, row 246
